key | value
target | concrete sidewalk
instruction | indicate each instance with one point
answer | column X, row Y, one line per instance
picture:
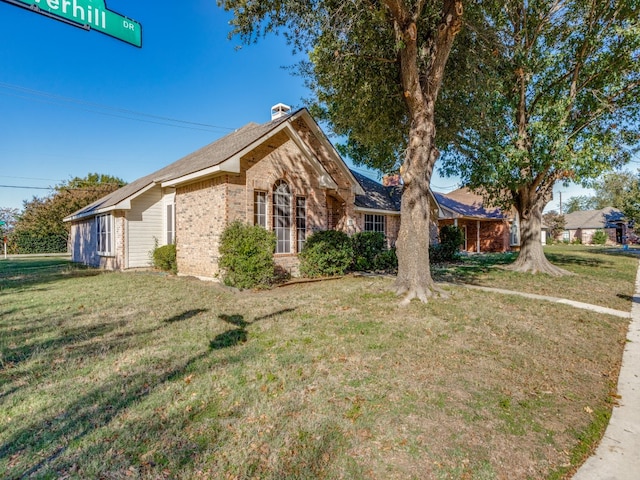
column 618, row 455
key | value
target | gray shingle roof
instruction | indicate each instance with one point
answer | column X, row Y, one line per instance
column 468, row 204
column 377, row 196
column 602, row 218
column 213, row 154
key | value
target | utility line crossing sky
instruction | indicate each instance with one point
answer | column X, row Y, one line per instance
column 74, row 101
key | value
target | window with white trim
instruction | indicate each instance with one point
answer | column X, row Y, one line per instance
column 514, row 233
column 260, row 208
column 282, row 216
column 375, row 223
column 301, row 222
column 105, row 235
column 171, row 223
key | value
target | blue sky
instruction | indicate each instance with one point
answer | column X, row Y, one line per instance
column 74, row 102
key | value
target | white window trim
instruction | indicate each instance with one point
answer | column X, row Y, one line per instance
column 109, row 252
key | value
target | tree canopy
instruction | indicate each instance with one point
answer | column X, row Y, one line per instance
column 375, row 70
column 40, row 227
column 560, row 81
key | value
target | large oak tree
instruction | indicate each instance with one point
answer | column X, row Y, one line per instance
column 376, row 69
column 559, row 103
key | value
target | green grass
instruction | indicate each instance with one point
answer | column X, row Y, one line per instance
column 144, row 375
column 603, row 277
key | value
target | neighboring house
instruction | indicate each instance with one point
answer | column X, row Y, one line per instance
column 581, row 225
column 486, row 229
column 284, row 175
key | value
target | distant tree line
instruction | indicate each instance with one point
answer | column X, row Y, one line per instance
column 39, row 228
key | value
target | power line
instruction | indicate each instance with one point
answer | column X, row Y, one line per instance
column 92, row 106
column 32, row 178
column 23, row 186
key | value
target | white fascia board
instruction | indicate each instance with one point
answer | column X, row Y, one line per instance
column 315, row 128
column 90, row 214
column 376, row 211
column 126, row 203
column 191, row 177
column 324, row 179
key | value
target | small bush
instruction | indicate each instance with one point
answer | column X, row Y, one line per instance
column 164, row 258
column 326, row 253
column 247, row 256
column 451, row 238
column 386, row 260
column 366, row 247
column 600, row 237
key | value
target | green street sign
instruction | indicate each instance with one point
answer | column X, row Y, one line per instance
column 87, row 14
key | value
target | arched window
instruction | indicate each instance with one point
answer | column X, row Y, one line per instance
column 282, row 216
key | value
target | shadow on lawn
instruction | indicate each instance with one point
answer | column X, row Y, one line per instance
column 239, row 335
column 36, row 445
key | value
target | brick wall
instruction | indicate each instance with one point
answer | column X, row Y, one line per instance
column 200, row 220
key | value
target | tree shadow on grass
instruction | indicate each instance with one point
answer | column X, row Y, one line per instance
column 629, row 298
column 239, row 335
column 38, row 445
column 186, row 315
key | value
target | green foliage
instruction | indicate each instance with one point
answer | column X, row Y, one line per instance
column 539, row 120
column 326, row 253
column 164, row 258
column 366, row 247
column 28, row 242
column 42, row 217
column 387, row 260
column 247, row 256
column 600, row 237
column 451, row 238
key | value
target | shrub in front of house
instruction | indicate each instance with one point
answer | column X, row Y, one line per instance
column 600, row 237
column 387, row 261
column 246, row 259
column 451, row 238
column 164, row 258
column 366, row 247
column 326, row 253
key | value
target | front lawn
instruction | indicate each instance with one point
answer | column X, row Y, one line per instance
column 144, row 375
column 604, row 276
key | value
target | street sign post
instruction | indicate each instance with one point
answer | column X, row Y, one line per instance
column 87, row 14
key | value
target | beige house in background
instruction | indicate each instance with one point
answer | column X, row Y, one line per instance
column 284, row 175
column 581, row 225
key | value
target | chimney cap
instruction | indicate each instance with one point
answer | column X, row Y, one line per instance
column 280, row 110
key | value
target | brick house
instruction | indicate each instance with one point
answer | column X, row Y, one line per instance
column 284, row 175
column 486, row 229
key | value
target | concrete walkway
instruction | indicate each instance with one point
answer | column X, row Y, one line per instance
column 618, row 455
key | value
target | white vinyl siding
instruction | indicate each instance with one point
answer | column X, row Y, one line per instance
column 145, row 227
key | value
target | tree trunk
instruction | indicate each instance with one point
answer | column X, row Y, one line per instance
column 414, row 271
column 421, row 86
column 531, row 258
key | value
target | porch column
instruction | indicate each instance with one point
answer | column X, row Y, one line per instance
column 478, row 236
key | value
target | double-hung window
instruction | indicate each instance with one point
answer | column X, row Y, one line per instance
column 375, row 223
column 105, row 234
column 301, row 222
column 171, row 223
column 282, row 217
column 260, row 208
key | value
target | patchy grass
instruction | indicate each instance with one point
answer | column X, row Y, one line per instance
column 112, row 375
column 604, row 277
